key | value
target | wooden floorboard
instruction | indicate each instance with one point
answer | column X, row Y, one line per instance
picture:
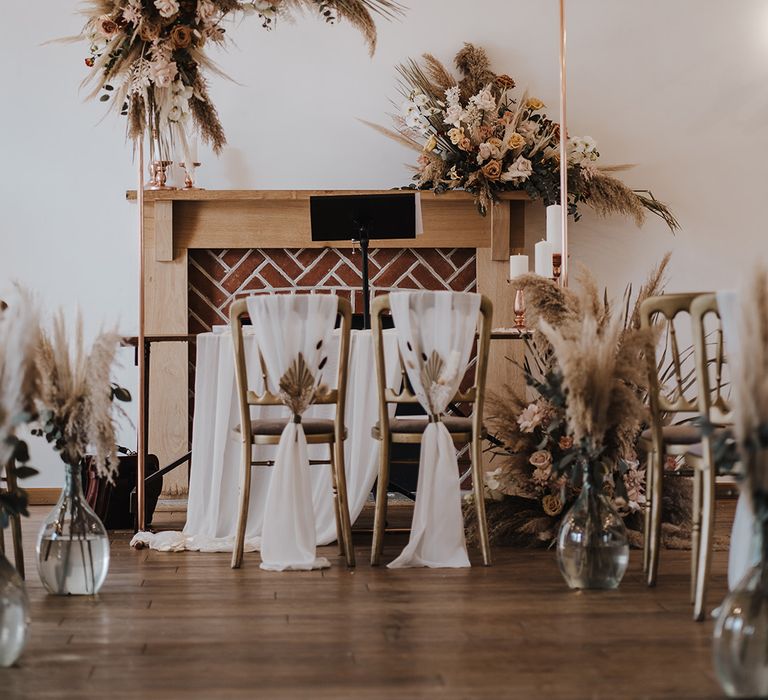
column 184, row 625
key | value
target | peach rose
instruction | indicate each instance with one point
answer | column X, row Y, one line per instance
column 515, row 141
column 566, row 442
column 465, row 144
column 106, row 26
column 552, row 505
column 181, row 36
column 492, row 170
column 541, row 459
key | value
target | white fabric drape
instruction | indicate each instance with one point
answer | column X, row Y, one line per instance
column 291, row 330
column 216, row 460
column 435, row 332
column 744, row 550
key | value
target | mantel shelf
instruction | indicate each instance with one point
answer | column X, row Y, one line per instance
column 297, row 195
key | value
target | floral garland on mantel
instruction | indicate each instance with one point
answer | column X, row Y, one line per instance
column 474, row 134
column 148, row 57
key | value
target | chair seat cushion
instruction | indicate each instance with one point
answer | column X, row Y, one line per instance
column 312, row 426
column 455, row 424
column 681, row 434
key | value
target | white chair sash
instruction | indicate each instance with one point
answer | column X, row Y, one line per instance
column 292, row 334
column 435, row 332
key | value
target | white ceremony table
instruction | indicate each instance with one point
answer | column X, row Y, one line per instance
column 216, row 449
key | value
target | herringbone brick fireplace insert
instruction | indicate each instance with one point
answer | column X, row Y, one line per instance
column 217, row 277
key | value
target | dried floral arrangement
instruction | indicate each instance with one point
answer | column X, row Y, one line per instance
column 474, row 134
column 148, row 57
column 76, row 394
column 19, row 339
column 583, row 366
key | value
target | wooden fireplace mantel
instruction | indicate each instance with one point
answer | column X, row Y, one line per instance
column 176, row 221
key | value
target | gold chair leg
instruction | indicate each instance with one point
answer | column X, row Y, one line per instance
column 245, row 499
column 380, row 516
column 345, row 524
column 695, row 531
column 478, row 486
column 336, row 509
column 705, row 541
column 647, row 510
column 654, row 538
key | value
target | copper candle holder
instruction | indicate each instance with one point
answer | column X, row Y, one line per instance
column 189, row 183
column 519, row 309
column 159, row 176
column 557, row 266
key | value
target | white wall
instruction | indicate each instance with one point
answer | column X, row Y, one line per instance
column 678, row 87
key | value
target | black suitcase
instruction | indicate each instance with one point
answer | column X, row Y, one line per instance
column 115, row 503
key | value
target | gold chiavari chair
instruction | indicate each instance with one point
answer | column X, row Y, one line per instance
column 464, row 431
column 714, row 408
column 669, row 396
column 9, row 477
column 317, row 431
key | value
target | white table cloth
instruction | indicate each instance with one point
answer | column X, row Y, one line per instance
column 215, row 473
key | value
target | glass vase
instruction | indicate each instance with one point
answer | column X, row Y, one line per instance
column 592, row 543
column 14, row 614
column 72, row 546
column 740, row 647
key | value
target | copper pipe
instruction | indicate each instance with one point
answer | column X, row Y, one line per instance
column 563, row 149
column 141, row 447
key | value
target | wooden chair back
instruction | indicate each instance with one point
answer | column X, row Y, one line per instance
column 237, row 314
column 672, row 391
column 474, row 394
column 710, row 360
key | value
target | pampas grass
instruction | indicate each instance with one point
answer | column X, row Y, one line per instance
column 19, row 339
column 749, row 366
column 75, row 394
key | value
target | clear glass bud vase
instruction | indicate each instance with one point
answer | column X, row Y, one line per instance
column 14, row 614
column 592, row 543
column 72, row 546
column 740, row 647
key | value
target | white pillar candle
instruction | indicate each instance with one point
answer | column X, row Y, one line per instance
column 544, row 259
column 193, row 150
column 518, row 265
column 555, row 227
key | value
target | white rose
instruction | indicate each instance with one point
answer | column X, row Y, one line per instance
column 520, row 170
column 453, row 114
column 164, row 73
column 167, row 8
column 484, row 100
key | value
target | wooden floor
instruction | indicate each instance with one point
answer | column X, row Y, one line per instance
column 186, row 626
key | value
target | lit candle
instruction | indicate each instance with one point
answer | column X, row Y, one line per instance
column 518, row 265
column 555, row 227
column 544, row 259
